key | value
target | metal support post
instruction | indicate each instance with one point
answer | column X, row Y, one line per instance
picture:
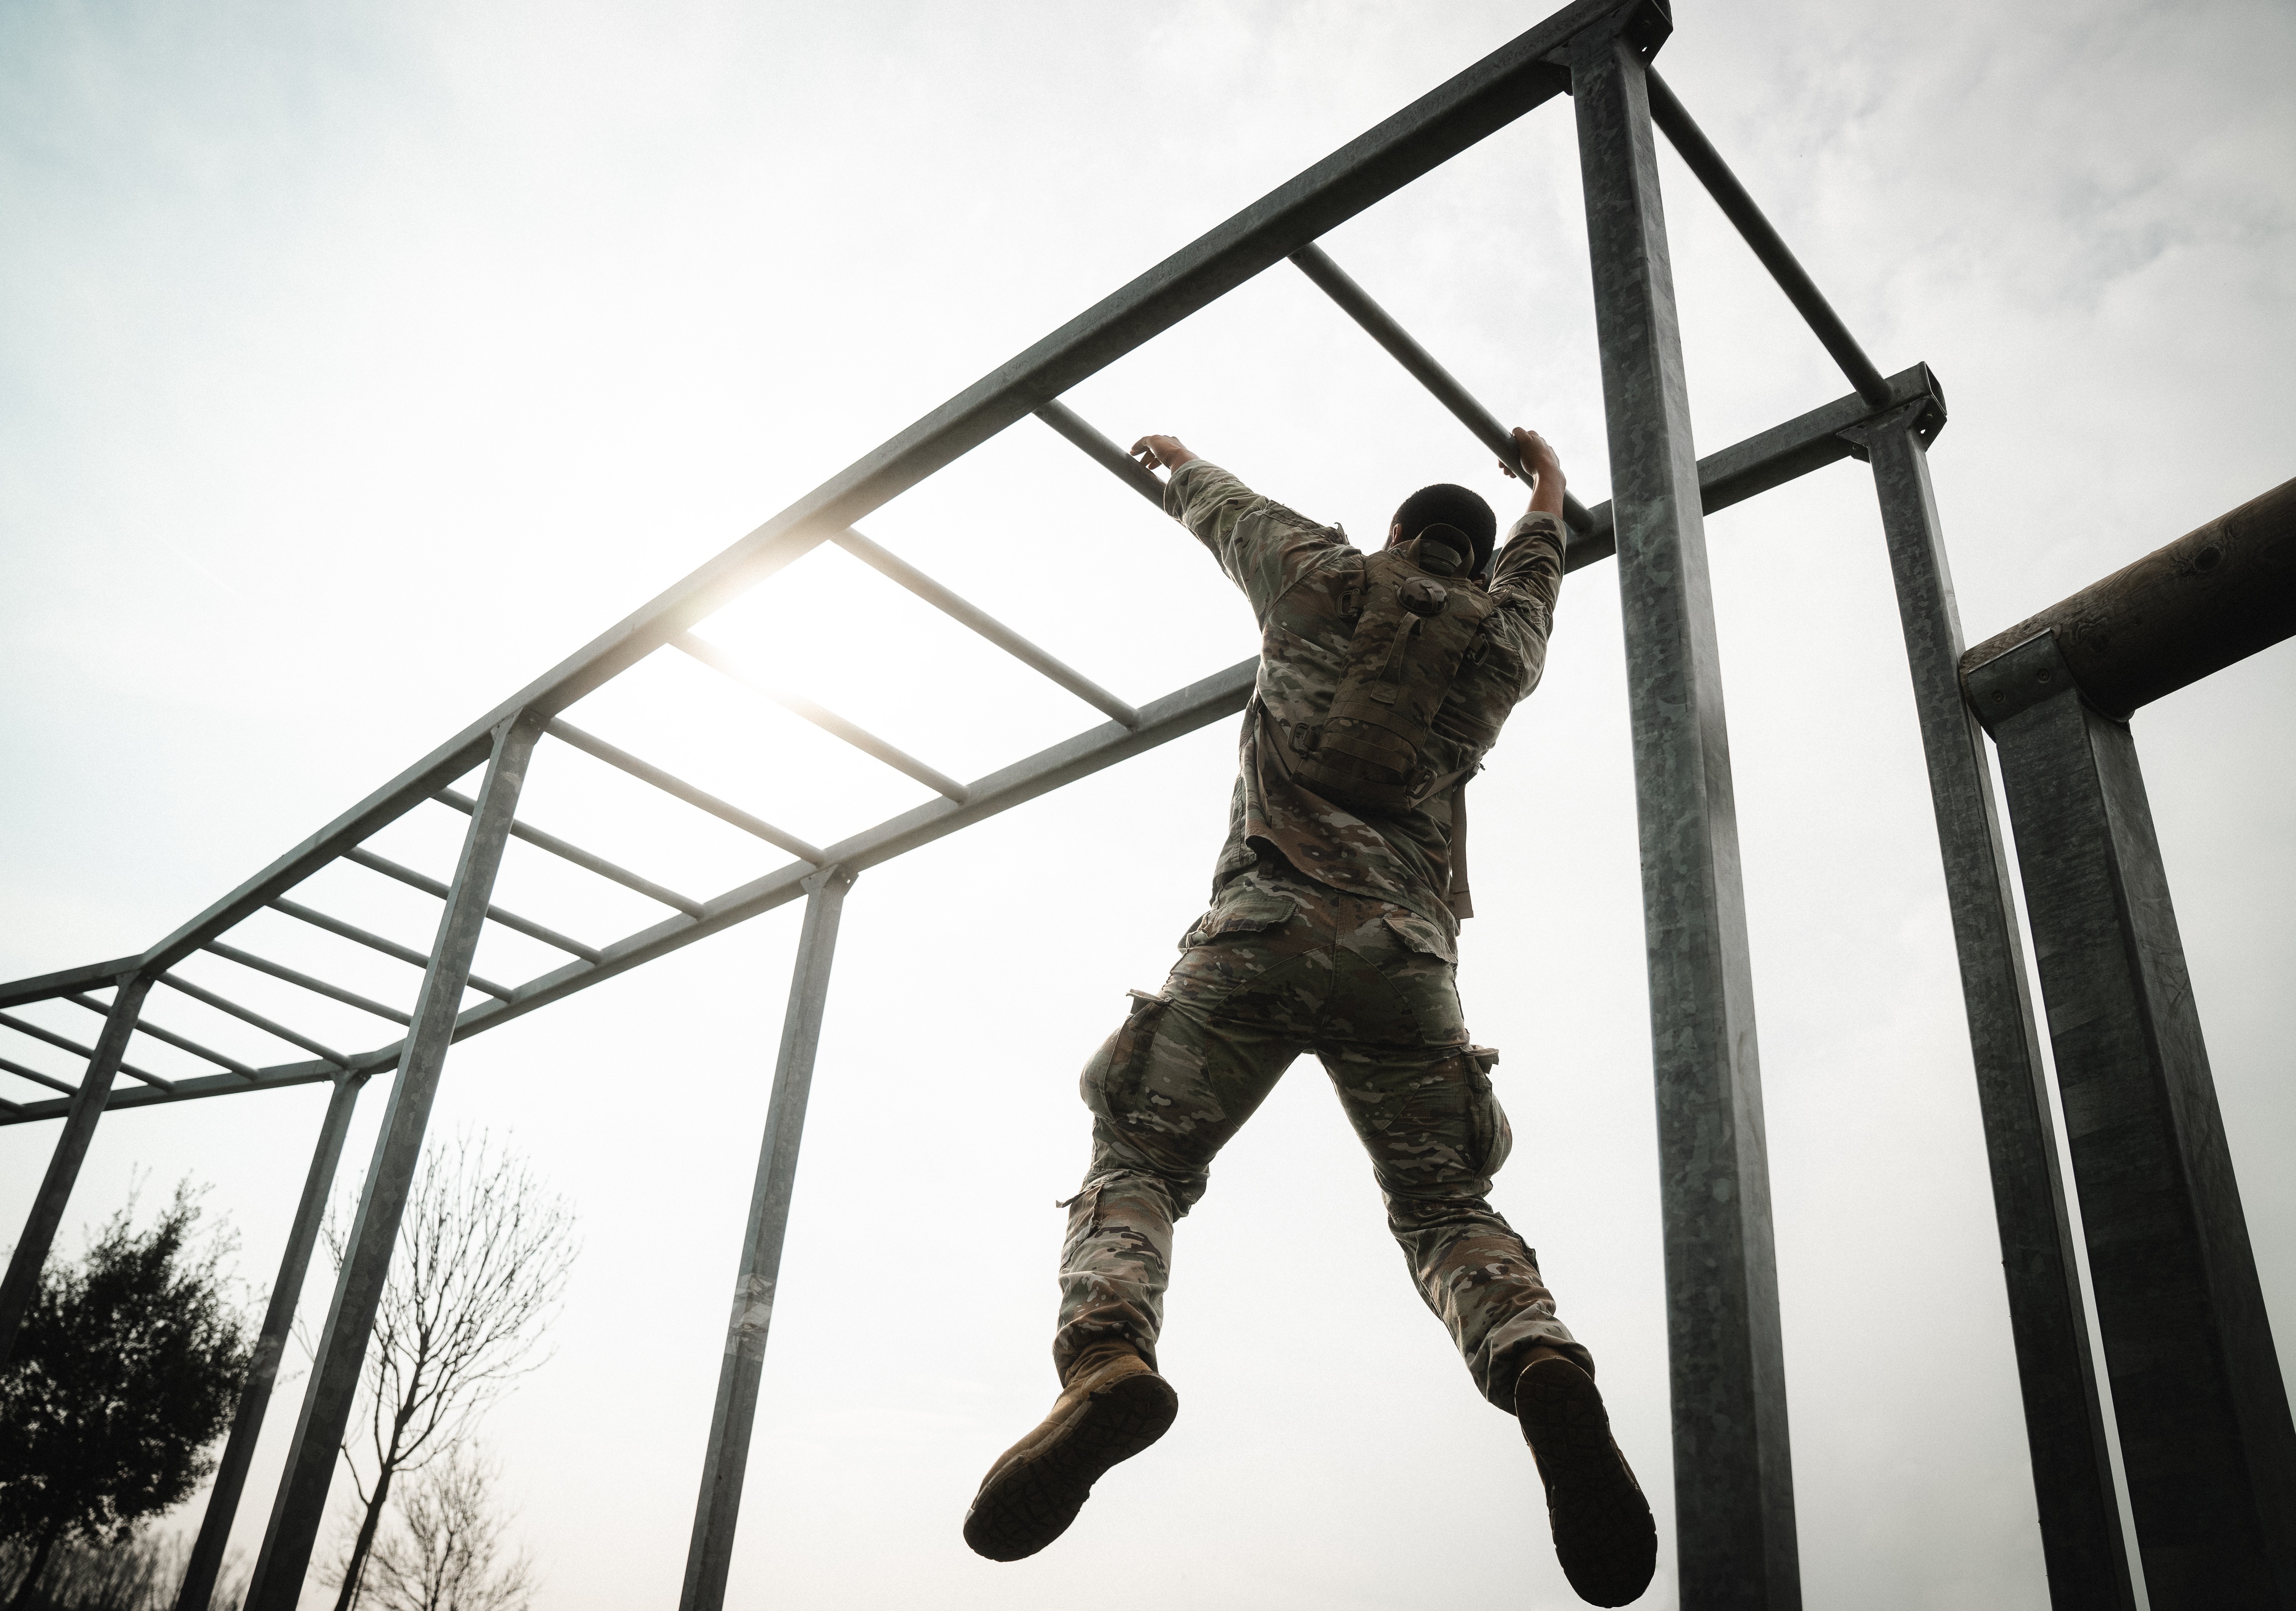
column 2205, row 1434
column 22, row 1282
column 198, row 1586
column 2081, row 1540
column 1734, row 1482
column 715, row 1515
column 302, row 1501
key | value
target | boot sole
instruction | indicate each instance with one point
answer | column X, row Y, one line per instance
column 1031, row 1503
column 1603, row 1534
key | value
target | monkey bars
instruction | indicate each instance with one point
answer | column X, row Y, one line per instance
column 1734, row 1501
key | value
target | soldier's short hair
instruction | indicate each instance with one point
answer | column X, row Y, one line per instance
column 1446, row 504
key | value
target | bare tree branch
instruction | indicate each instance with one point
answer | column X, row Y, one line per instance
column 483, row 1254
column 447, row 1553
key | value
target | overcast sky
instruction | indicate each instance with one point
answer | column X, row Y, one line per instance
column 359, row 362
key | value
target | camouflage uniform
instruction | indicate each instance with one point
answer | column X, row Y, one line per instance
column 1331, row 932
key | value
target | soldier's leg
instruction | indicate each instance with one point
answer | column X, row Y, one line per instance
column 1422, row 1102
column 1435, row 1131
column 1169, row 1087
column 1167, row 1091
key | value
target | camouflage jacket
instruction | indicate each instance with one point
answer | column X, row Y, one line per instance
column 1297, row 575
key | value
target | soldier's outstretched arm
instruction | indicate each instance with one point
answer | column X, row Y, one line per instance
column 1263, row 546
column 1527, row 572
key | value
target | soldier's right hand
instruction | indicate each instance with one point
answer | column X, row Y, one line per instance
column 1533, row 456
column 1162, row 452
column 1537, row 463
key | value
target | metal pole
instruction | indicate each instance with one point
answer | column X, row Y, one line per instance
column 2205, row 1434
column 717, row 1510
column 1734, row 1482
column 1704, row 162
column 2081, row 1540
column 1420, row 365
column 22, row 1282
column 255, row 1398
column 302, row 1501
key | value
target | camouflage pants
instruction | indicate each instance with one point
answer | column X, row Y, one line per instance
column 1280, row 966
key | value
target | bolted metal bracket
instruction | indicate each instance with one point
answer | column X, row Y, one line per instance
column 1926, row 412
column 2017, row 679
column 815, row 883
column 1644, row 25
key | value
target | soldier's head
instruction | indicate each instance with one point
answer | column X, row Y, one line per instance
column 1444, row 505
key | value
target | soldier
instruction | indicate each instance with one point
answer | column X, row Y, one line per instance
column 1383, row 680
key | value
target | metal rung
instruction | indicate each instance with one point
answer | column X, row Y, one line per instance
column 958, row 609
column 646, row 772
column 581, row 858
column 429, row 885
column 145, row 1026
column 868, row 743
column 1698, row 153
column 37, row 1077
column 1381, row 325
column 1102, row 452
column 13, row 1109
column 54, row 1038
column 349, row 998
column 249, row 1015
column 375, row 942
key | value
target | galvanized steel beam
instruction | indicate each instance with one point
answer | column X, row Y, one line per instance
column 145, row 1026
column 2080, row 1512
column 2206, row 1438
column 22, row 1284
column 1102, row 452
column 374, row 942
column 41, row 987
column 302, row 1500
column 198, row 1587
column 280, row 970
column 717, row 1510
column 860, row 738
column 248, row 1015
column 24, row 1072
column 646, row 771
column 899, row 570
column 1737, row 206
column 61, row 1043
column 1377, row 322
column 1175, row 715
column 1734, row 1483
column 1772, row 458
column 579, row 857
column 1448, row 119
column 432, row 886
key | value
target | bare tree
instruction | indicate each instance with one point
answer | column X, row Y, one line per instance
column 482, row 1260
column 447, row 1552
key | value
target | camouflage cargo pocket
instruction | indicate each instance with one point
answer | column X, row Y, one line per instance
column 1243, row 909
column 1422, row 935
column 1492, row 1138
column 1112, row 1079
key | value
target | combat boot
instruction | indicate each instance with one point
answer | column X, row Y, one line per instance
column 1111, row 1406
column 1603, row 1535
